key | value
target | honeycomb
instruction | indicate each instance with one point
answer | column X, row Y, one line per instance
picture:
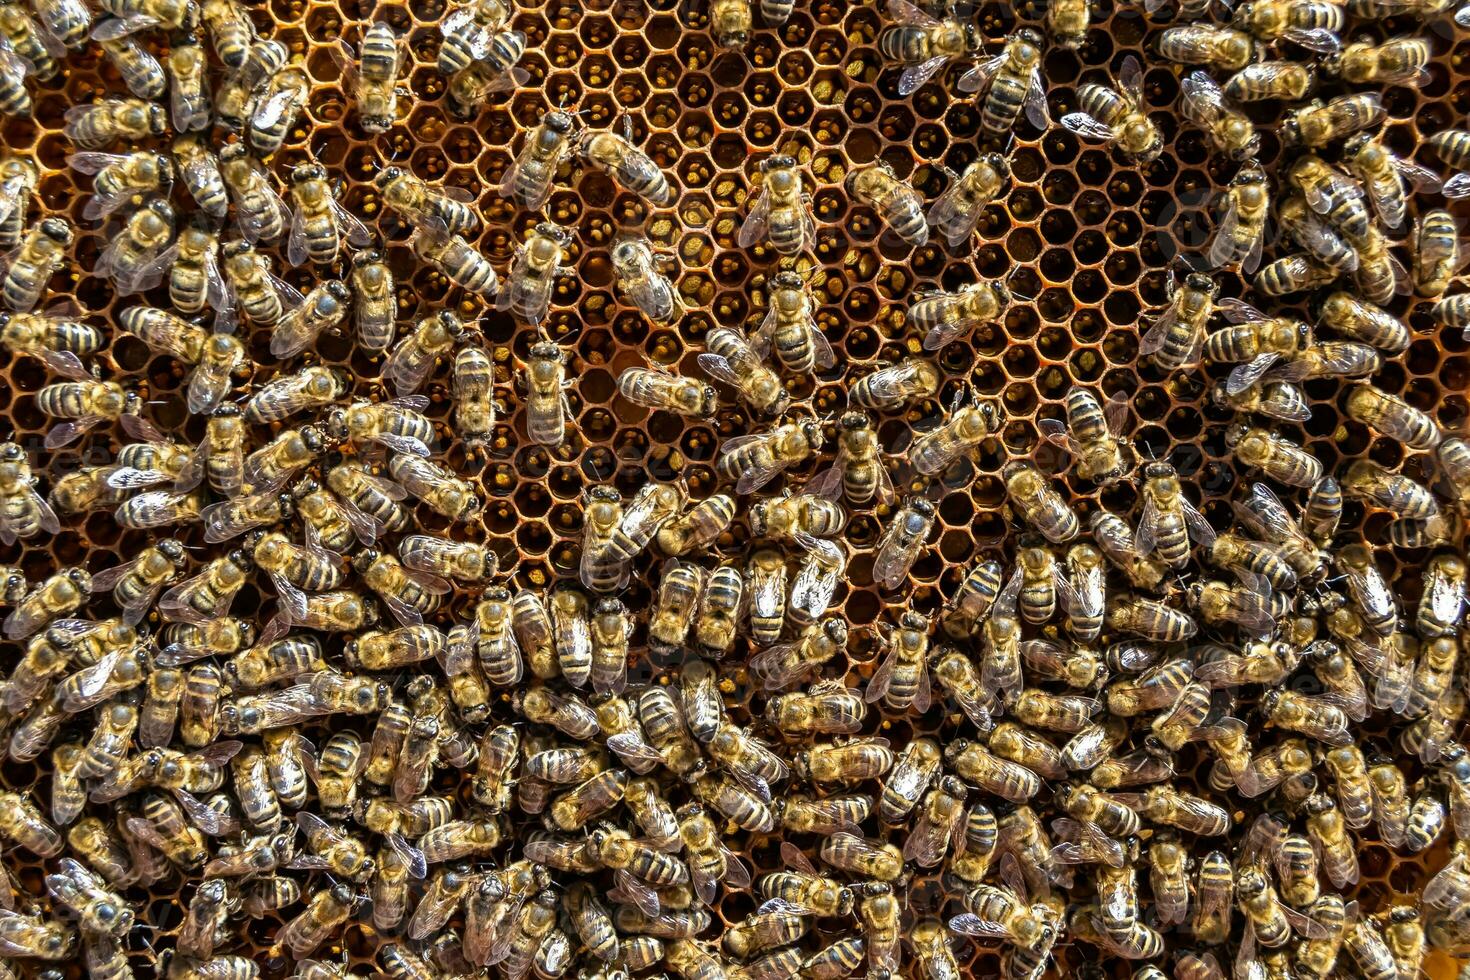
column 1087, row 244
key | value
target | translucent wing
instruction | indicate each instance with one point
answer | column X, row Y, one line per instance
column 915, row 76
column 753, row 229
column 1317, row 39
column 1084, row 125
column 1036, row 110
column 981, row 75
column 946, row 212
column 908, row 15
column 352, row 228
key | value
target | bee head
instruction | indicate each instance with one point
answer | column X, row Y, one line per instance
column 558, row 121
column 562, row 236
column 853, row 421
column 309, row 171
column 368, row 256
column 57, row 230
column 386, row 176
column 778, row 162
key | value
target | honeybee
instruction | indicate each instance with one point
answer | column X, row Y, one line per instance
column 18, row 180
column 1268, row 80
column 91, row 127
column 320, row 222
column 254, row 291
column 236, row 97
column 1149, row 619
column 261, row 214
column 416, row 200
column 456, row 259
column 275, row 109
column 1436, row 252
column 902, row 678
column 396, row 424
column 117, row 179
column 1090, row 434
column 1321, row 124
column 957, row 211
column 1177, row 337
column 1214, row 45
column 36, row 937
column 924, row 45
column 1042, row 507
column 1330, row 359
column 889, row 388
column 1169, row 521
column 1230, row 130
column 138, row 582
column 412, row 361
column 903, row 542
column 790, row 327
column 373, row 81
column 640, row 280
column 616, row 156
column 528, row 180
column 779, row 666
column 1311, row 24
column 1390, row 415
column 1238, row 239
column 730, row 22
column 783, row 208
column 1118, row 116
column 1323, row 243
column 1386, row 178
column 325, row 912
column 1011, row 81
column 40, row 255
column 140, row 70
column 753, row 461
column 896, row 202
column 1277, row 456
column 534, row 270
column 947, row 317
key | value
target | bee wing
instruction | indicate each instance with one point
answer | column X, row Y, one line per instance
column 795, row 858
column 883, row 676
column 736, row 872
column 1086, row 126
column 113, row 28
column 908, row 15
column 272, row 108
column 352, row 228
column 10, row 196
column 1199, row 87
column 1035, row 104
column 89, row 685
column 1154, row 338
column 1055, row 431
column 915, row 76
column 107, row 579
column 969, row 924
column 1145, row 537
column 405, row 614
column 296, row 252
column 1223, row 245
column 825, row 356
column 407, row 372
column 346, row 60
column 1199, row 528
column 209, row 820
column 418, row 865
column 631, row 748
column 1317, row 39
column 92, row 163
column 946, row 212
column 981, row 75
column 1418, row 178
column 753, row 228
column 1245, row 376
column 1130, row 79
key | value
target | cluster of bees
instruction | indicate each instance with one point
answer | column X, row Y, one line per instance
column 487, row 778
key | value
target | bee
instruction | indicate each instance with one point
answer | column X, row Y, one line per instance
column 36, row 937
column 1150, row 620
column 377, row 306
column 140, row 71
column 236, row 98
column 889, row 388
column 1323, row 244
column 715, row 622
column 790, row 327
column 31, row 47
column 136, row 583
column 1320, row 124
column 896, row 202
column 780, row 666
column 528, row 180
column 571, row 635
column 934, row 951
column 374, row 79
column 924, row 45
column 416, row 201
column 1177, row 337
column 117, row 179
column 1042, row 507
column 660, row 389
column 254, row 291
column 534, row 270
column 1385, row 177
column 1230, row 131
column 320, row 222
column 408, row 594
column 753, row 461
column 325, row 913
column 957, row 211
column 730, row 22
column 903, row 542
column 1308, row 23
column 1379, row 272
column 454, row 258
column 229, row 29
column 1213, row 45
column 1011, row 81
column 288, row 394
column 1090, row 434
column 610, row 629
column 1118, row 116
column 40, row 255
column 1169, row 520
column 547, row 406
column 616, row 156
column 24, row 825
column 947, row 317
column 412, row 361
column 902, row 678
column 92, row 127
column 1271, row 80
column 673, row 614
column 1238, row 239
column 1391, row 416
column 1330, row 359
column 1397, row 61
column 194, row 273
column 469, row 90
column 396, row 424
column 261, row 214
column 23, row 514
column 1277, row 456
column 274, row 111
column 18, row 180
column 640, row 280
column 1436, row 252
column 976, row 765
column 1246, row 607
